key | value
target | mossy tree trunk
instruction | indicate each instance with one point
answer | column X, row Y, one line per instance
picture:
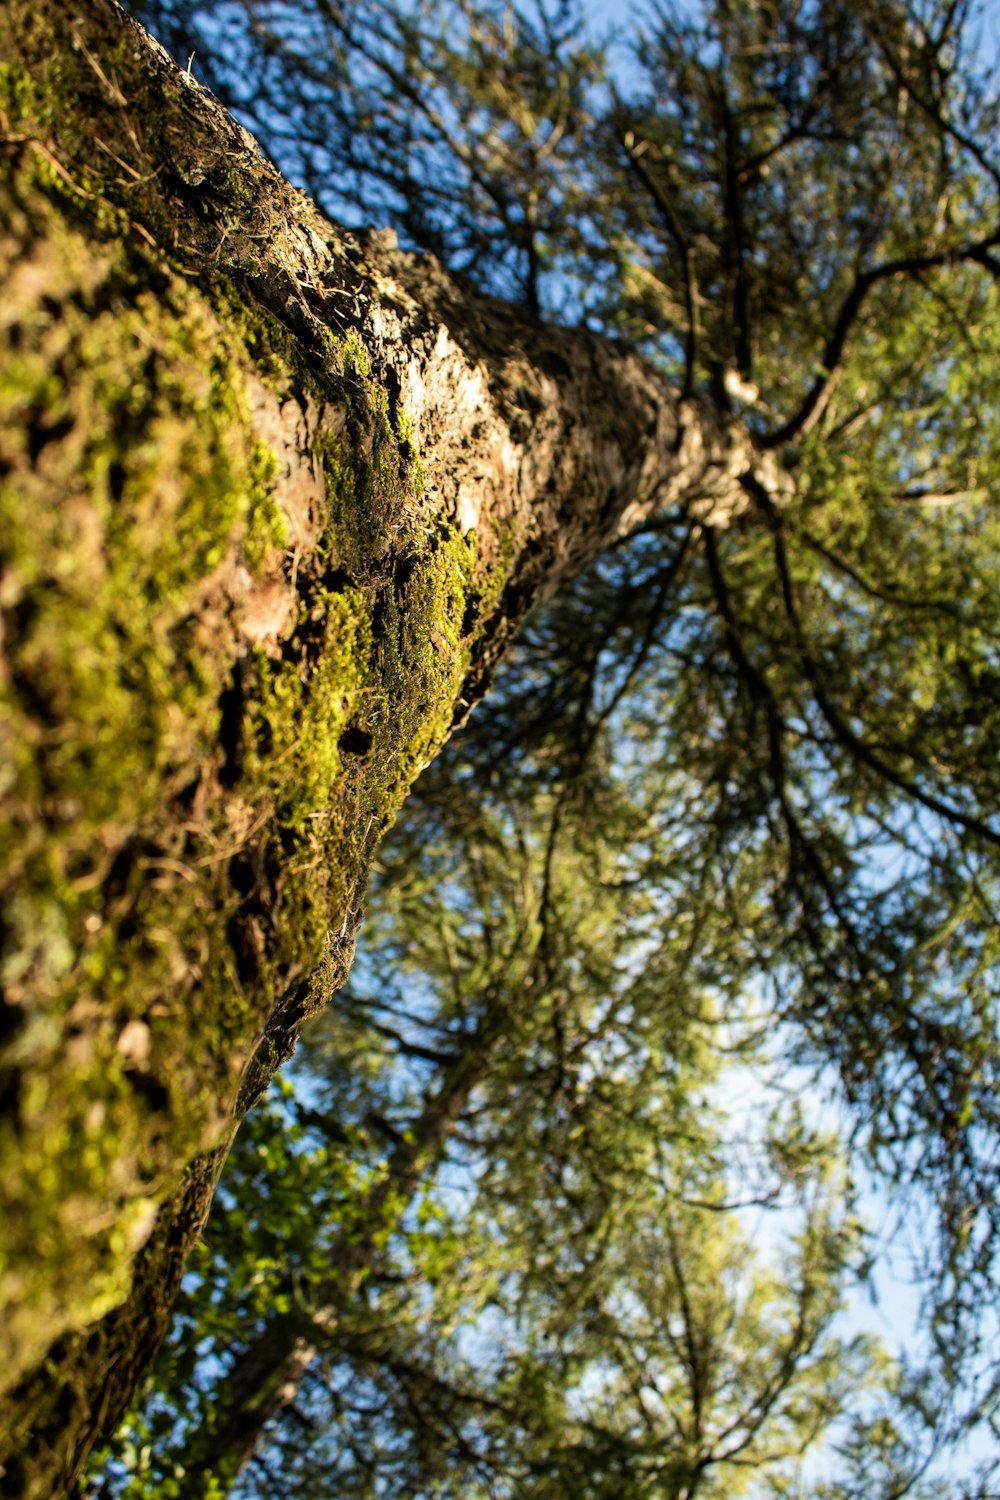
column 274, row 498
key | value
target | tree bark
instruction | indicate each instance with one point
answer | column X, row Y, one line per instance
column 275, row 498
column 264, row 1381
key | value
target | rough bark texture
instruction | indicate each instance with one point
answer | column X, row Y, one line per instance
column 273, row 500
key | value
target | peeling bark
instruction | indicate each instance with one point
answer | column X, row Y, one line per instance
column 399, row 468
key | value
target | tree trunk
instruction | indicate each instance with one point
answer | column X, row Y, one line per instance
column 274, row 500
column 264, row 1381
column 266, row 1376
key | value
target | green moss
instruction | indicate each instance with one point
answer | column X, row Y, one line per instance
column 266, row 530
column 423, row 657
column 354, row 355
column 36, row 107
column 130, row 475
column 298, row 711
column 19, row 98
column 408, row 448
column 301, row 708
column 363, row 479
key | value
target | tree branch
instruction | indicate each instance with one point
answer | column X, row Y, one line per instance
column 633, row 154
column 815, row 402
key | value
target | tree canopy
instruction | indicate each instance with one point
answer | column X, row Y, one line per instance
column 723, row 842
column 618, row 1265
